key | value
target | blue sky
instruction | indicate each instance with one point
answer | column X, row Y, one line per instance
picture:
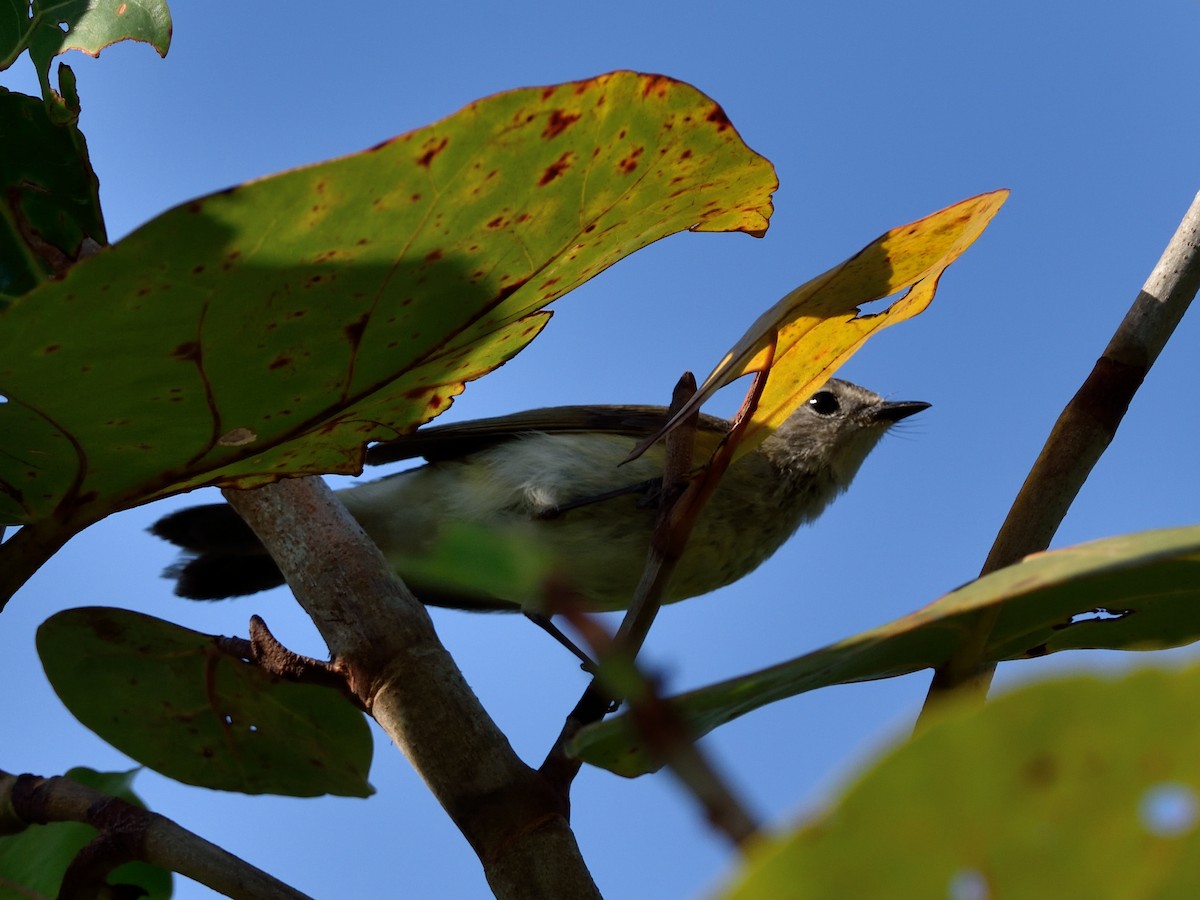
column 874, row 114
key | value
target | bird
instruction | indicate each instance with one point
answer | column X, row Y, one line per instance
column 557, row 478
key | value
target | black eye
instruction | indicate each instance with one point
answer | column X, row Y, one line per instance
column 824, row 403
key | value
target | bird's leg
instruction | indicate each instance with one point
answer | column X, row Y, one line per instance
column 544, row 623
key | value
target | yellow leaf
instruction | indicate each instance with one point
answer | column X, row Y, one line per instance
column 808, row 334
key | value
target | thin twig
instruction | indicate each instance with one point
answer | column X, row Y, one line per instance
column 264, row 650
column 665, row 732
column 558, row 767
column 681, row 511
column 666, row 543
column 130, row 832
column 1079, row 437
column 667, row 735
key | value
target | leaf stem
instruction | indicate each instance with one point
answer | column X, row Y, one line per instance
column 25, row 552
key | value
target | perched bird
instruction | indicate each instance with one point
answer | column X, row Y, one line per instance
column 552, row 477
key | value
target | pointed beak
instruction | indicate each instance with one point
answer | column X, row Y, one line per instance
column 894, row 412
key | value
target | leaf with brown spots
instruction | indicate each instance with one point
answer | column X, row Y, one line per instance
column 277, row 327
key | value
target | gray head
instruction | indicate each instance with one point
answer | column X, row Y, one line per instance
column 832, row 433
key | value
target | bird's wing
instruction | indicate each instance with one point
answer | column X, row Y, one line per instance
column 459, row 439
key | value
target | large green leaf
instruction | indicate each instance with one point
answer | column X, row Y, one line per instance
column 33, row 861
column 1135, row 592
column 1077, row 788
column 277, row 327
column 173, row 701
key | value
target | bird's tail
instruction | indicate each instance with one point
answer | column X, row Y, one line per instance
column 224, row 556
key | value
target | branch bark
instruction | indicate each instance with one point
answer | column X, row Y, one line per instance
column 383, row 638
column 26, row 550
column 1082, row 433
column 128, row 832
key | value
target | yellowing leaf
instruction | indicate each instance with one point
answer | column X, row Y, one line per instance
column 808, row 334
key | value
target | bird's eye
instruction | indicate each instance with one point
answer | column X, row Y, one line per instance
column 824, row 403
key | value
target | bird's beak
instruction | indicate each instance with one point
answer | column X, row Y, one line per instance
column 902, row 409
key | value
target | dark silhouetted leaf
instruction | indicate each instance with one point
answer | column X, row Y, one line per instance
column 49, row 203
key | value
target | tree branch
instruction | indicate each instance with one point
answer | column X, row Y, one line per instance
column 666, row 542
column 128, row 832
column 24, row 553
column 667, row 735
column 382, row 637
column 1079, row 437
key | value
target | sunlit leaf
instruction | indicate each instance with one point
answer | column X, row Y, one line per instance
column 88, row 26
column 1134, row 592
column 1084, row 787
column 814, row 329
column 170, row 699
column 277, row 327
column 33, row 861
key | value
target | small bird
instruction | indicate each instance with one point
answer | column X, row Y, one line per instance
column 554, row 477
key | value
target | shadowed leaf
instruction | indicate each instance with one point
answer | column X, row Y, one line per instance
column 170, row 699
column 49, row 202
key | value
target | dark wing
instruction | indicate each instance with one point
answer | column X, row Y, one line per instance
column 459, row 439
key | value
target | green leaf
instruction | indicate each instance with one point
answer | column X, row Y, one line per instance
column 1084, row 787
column 16, row 28
column 1134, row 592
column 50, row 206
column 90, row 26
column 476, row 561
column 32, row 862
column 173, row 701
column 276, row 327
